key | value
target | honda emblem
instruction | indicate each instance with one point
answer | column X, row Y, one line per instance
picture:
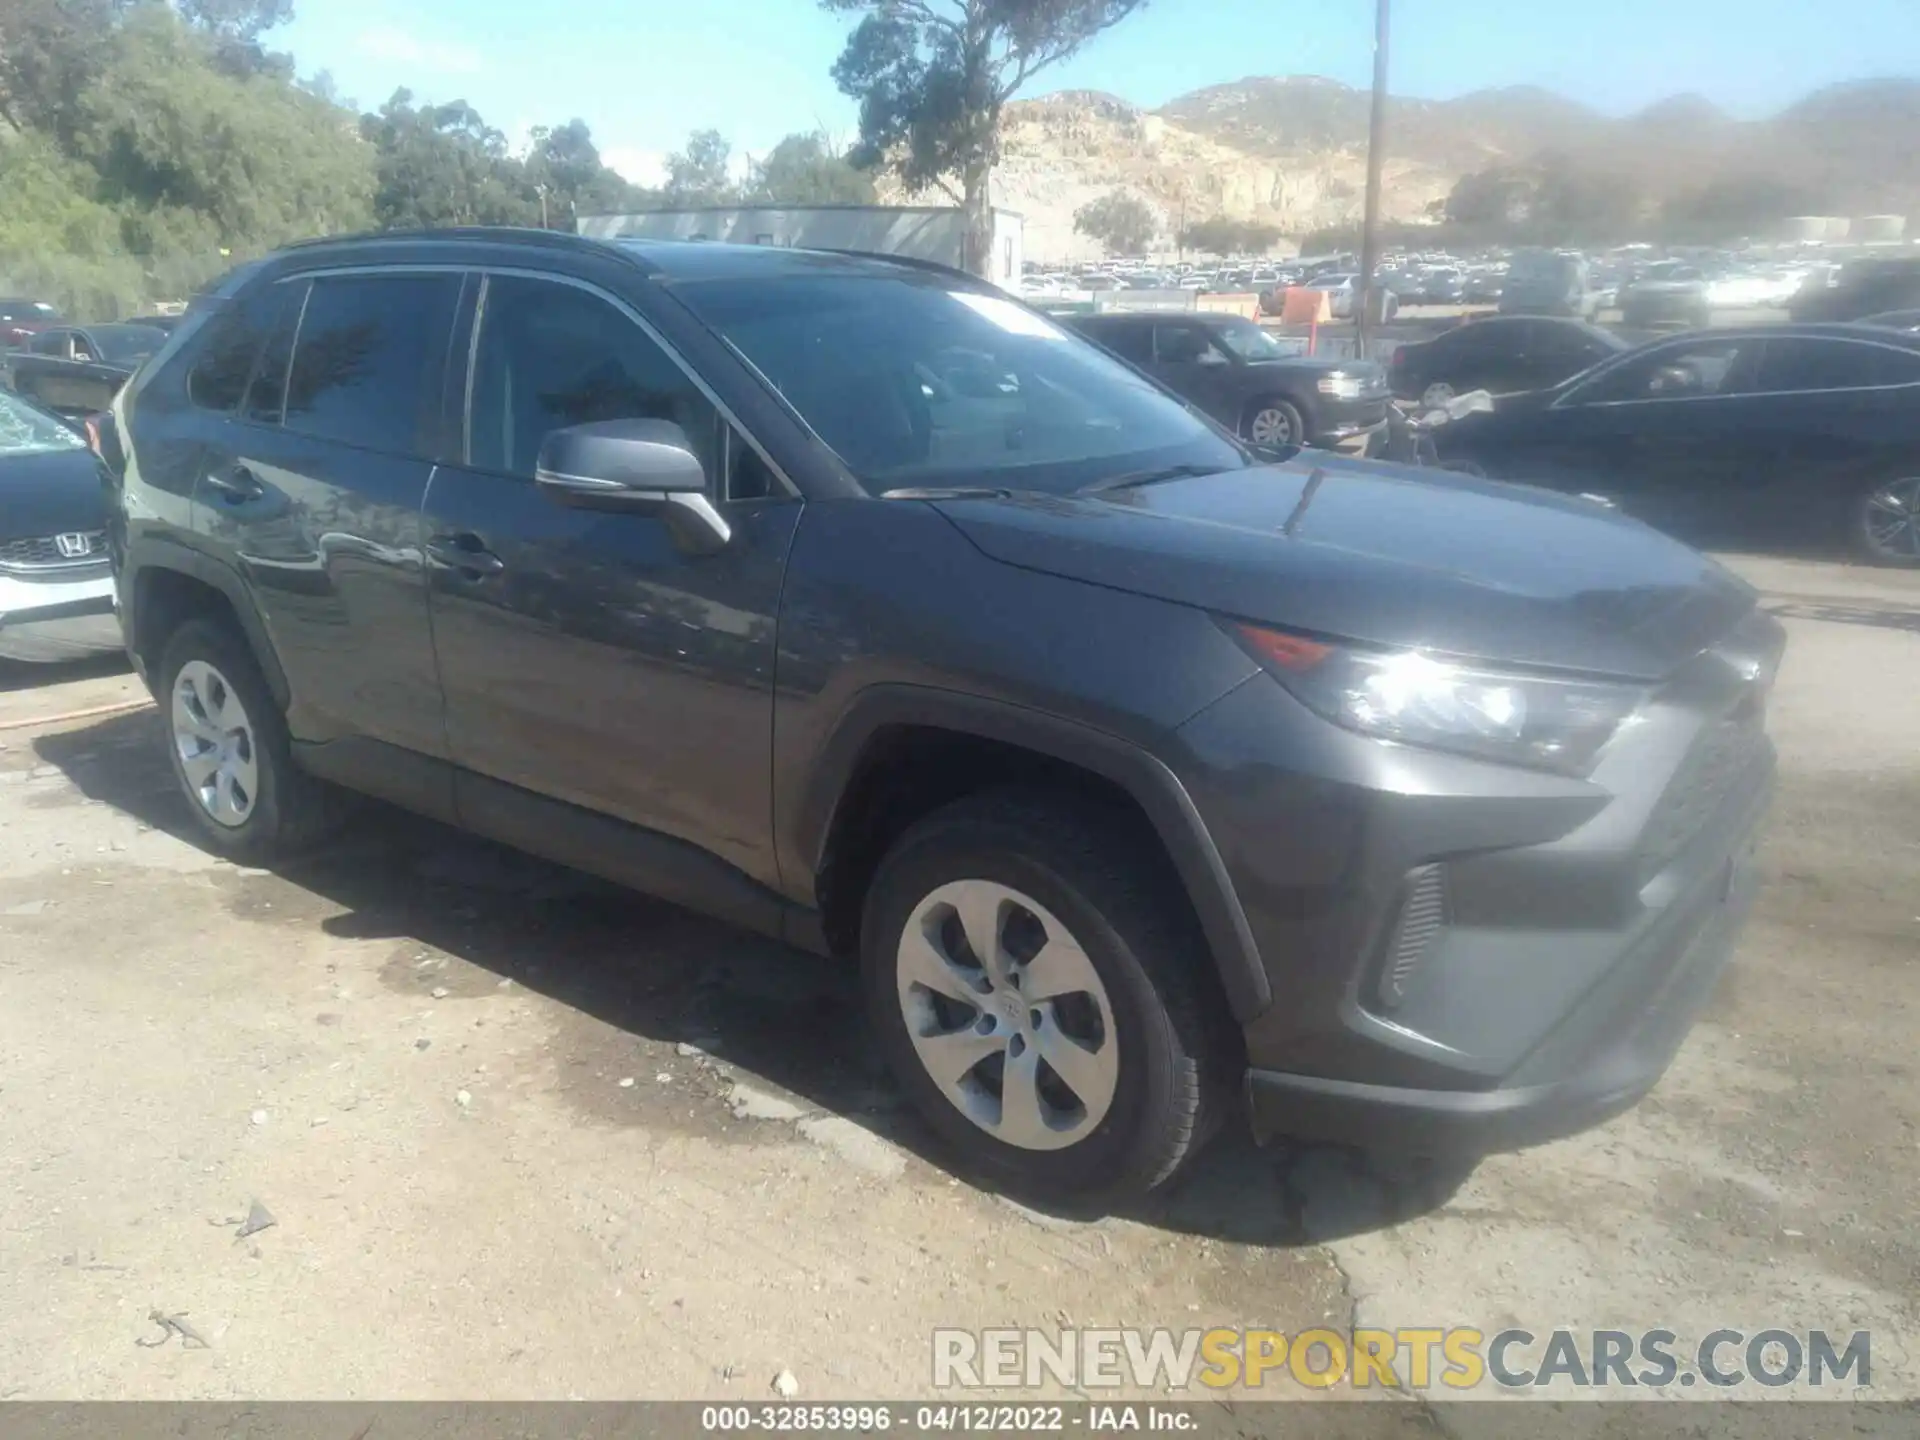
column 73, row 547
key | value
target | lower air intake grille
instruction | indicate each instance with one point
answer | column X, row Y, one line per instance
column 1423, row 912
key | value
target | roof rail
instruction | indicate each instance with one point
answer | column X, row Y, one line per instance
column 508, row 234
column 913, row 262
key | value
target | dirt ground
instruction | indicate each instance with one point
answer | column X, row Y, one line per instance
column 522, row 1136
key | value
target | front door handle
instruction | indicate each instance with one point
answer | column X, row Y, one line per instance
column 236, row 484
column 466, row 554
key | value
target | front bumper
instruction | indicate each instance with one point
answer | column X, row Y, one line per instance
column 1572, row 930
column 1602, row 1058
column 51, row 620
column 1335, row 422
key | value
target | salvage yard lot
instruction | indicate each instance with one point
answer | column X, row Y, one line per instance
column 524, row 1136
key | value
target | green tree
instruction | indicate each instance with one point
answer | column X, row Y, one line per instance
column 444, row 165
column 701, row 174
column 806, row 170
column 577, row 181
column 1223, row 236
column 51, row 53
column 263, row 162
column 932, row 77
column 1125, row 224
column 235, row 28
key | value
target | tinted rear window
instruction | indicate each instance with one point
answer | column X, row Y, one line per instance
column 1802, row 364
column 367, row 362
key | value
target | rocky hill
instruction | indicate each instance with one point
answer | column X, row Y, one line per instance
column 1291, row 151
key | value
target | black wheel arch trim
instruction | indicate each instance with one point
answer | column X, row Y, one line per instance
column 146, row 559
column 1143, row 776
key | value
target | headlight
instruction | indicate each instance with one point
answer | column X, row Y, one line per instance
column 1543, row 721
column 1341, row 387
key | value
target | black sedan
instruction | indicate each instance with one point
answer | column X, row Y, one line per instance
column 56, row 592
column 1241, row 376
column 1501, row 354
column 77, row 370
column 1803, row 431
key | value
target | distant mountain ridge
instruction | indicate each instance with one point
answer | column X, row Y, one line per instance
column 1291, row 151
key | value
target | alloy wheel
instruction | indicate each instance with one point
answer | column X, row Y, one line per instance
column 1271, row 426
column 1893, row 520
column 215, row 742
column 1007, row 1015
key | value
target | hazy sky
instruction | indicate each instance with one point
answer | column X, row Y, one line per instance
column 644, row 73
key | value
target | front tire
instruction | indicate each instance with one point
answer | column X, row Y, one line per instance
column 1040, row 989
column 1275, row 421
column 230, row 750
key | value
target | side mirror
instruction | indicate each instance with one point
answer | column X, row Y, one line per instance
column 640, row 466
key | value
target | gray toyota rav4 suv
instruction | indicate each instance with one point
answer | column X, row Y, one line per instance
column 1149, row 777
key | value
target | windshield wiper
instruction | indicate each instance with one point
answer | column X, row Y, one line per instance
column 1133, row 479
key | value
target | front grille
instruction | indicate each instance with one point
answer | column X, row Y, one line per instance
column 1701, row 785
column 45, row 552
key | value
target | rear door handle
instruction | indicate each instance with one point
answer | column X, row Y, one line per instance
column 466, row 554
column 235, row 484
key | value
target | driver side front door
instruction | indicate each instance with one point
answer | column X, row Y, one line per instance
column 1188, row 361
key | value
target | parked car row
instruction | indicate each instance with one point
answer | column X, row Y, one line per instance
column 1809, row 431
column 1805, row 432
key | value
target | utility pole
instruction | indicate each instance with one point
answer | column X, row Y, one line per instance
column 543, row 205
column 1376, row 156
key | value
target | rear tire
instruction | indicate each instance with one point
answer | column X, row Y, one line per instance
column 230, row 751
column 1884, row 526
column 1095, row 962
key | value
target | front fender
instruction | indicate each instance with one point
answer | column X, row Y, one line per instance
column 1150, row 782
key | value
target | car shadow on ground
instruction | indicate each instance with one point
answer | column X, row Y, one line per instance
column 782, row 1016
column 17, row 675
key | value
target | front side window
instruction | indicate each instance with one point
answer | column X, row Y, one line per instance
column 366, row 363
column 57, row 343
column 1673, row 372
column 1248, row 341
column 127, row 344
column 552, row 356
column 1180, row 344
column 913, row 383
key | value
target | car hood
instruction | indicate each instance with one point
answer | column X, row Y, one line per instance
column 50, row 493
column 1388, row 556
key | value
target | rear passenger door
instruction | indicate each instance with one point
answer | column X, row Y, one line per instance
column 586, row 657
column 314, row 491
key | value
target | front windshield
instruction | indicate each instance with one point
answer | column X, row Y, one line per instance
column 915, row 384
column 1250, row 342
column 25, row 430
column 127, row 342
